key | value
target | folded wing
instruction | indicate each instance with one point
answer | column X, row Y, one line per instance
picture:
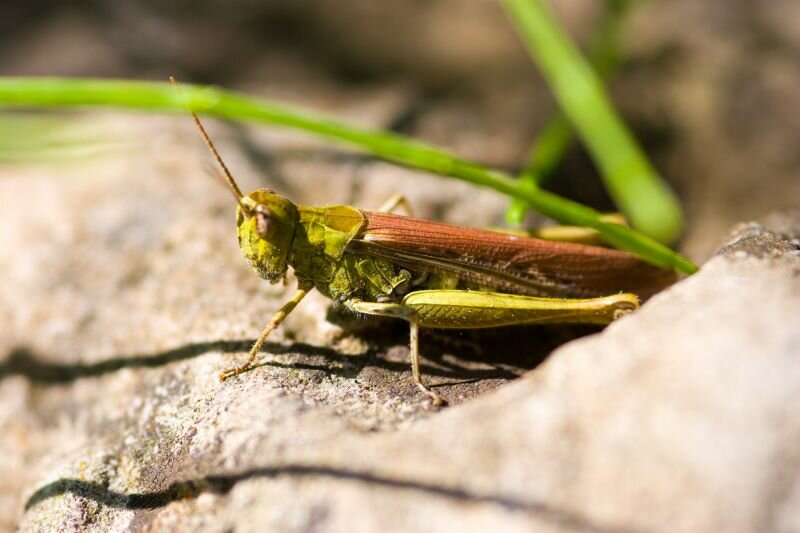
column 509, row 263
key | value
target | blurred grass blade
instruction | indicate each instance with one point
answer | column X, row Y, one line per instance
column 544, row 157
column 151, row 96
column 632, row 182
column 47, row 139
column 552, row 143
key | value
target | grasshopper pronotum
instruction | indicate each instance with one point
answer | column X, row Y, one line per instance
column 427, row 273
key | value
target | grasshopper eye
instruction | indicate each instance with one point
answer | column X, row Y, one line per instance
column 263, row 220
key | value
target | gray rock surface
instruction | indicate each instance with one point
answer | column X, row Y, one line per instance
column 124, row 294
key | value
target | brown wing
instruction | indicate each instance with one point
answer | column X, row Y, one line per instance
column 522, row 265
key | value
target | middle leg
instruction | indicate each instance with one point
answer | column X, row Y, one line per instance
column 409, row 315
column 394, row 202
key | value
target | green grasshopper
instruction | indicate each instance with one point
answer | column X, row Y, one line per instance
column 430, row 274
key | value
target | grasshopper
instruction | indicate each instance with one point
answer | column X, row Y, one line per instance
column 430, row 274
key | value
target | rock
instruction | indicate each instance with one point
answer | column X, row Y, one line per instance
column 124, row 295
column 120, row 267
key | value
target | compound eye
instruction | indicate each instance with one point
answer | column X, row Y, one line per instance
column 263, row 221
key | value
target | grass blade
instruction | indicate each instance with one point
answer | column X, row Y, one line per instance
column 632, row 182
column 552, row 143
column 153, row 96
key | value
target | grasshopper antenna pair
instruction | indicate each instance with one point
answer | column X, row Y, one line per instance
column 247, row 209
column 232, row 185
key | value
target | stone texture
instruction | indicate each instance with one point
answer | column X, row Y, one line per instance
column 123, row 265
column 124, row 294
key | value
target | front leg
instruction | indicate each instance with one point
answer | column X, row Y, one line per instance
column 303, row 288
column 409, row 315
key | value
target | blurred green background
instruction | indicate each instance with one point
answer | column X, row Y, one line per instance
column 709, row 89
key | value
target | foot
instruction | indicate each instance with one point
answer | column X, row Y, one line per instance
column 229, row 373
column 436, row 400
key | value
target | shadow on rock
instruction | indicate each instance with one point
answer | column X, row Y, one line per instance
column 21, row 361
column 510, row 351
column 222, row 484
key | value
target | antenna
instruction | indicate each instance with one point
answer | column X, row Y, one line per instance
column 228, row 176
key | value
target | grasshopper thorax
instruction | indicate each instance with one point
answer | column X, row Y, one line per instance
column 266, row 225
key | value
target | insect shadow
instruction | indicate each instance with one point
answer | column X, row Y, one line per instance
column 468, row 355
column 21, row 361
column 506, row 363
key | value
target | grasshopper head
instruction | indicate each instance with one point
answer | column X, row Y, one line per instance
column 266, row 224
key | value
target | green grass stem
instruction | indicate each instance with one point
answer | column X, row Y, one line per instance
column 551, row 145
column 161, row 97
column 637, row 189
